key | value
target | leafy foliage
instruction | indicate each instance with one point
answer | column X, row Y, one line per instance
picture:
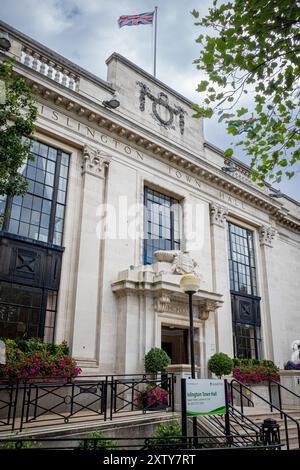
column 253, row 362
column 17, row 116
column 15, row 443
column 167, row 434
column 156, row 360
column 255, row 374
column 97, row 441
column 220, row 364
column 254, row 47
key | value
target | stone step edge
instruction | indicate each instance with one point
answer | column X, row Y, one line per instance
column 60, row 430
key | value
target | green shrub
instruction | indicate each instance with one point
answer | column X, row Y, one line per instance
column 220, row 364
column 20, row 444
column 156, row 360
column 101, row 444
column 169, row 434
column 253, row 362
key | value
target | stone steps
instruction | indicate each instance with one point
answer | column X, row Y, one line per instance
column 257, row 417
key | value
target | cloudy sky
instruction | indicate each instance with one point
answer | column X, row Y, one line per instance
column 86, row 32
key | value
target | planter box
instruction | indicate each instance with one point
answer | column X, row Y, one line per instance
column 153, row 407
column 262, row 390
column 291, row 380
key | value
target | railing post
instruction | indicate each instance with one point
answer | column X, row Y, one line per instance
column 270, row 432
column 279, row 398
column 111, row 396
column 241, row 400
column 270, row 395
column 15, row 398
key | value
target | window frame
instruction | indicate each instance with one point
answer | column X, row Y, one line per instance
column 54, row 200
column 174, row 244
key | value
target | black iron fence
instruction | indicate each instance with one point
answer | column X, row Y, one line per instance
column 152, row 444
column 56, row 400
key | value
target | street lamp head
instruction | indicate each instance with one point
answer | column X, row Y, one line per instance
column 189, row 283
column 5, row 43
column 113, row 103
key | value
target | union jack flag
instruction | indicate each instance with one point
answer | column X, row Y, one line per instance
column 135, row 20
column 245, row 125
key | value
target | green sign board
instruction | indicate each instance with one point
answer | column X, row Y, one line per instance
column 205, row 397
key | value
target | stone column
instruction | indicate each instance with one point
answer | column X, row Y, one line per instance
column 266, row 236
column 87, row 301
column 223, row 317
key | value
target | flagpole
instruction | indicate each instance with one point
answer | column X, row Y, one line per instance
column 155, row 36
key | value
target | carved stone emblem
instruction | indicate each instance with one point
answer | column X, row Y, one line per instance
column 267, row 235
column 182, row 262
column 162, row 100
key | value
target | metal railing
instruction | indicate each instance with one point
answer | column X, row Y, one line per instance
column 285, row 416
column 150, row 444
column 279, row 387
column 40, row 402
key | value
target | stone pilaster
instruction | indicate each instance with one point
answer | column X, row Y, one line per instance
column 88, row 289
column 267, row 235
column 220, row 278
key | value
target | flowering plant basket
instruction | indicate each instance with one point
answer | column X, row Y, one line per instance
column 37, row 361
column 153, row 398
column 256, row 374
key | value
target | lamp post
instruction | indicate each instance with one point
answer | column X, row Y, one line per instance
column 190, row 284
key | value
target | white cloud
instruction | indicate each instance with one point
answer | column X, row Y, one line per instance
column 86, row 32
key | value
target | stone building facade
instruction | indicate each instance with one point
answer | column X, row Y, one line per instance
column 122, row 202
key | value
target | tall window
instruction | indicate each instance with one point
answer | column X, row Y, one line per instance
column 241, row 260
column 244, row 299
column 27, row 312
column 162, row 224
column 39, row 214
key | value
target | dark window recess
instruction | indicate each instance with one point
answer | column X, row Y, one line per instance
column 244, row 300
column 39, row 215
column 27, row 312
column 162, row 224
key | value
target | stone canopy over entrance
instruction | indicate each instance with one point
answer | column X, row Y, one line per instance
column 150, row 300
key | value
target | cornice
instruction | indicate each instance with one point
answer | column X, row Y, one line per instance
column 121, row 127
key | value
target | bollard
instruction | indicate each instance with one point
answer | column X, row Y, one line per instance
column 270, row 432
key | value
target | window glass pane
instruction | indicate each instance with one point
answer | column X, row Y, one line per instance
column 22, row 310
column 23, row 229
column 31, row 215
column 61, row 195
column 65, row 159
column 57, row 239
column 163, row 232
column 52, row 153
column 13, row 226
column 63, row 171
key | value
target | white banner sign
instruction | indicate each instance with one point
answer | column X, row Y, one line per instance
column 205, row 397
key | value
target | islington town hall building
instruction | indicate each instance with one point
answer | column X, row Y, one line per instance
column 125, row 196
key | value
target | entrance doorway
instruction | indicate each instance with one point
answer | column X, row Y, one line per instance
column 175, row 342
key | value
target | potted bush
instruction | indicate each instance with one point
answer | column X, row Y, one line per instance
column 156, row 360
column 153, row 398
column 256, row 374
column 220, row 364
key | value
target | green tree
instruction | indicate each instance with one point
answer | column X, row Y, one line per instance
column 17, row 115
column 220, row 364
column 254, row 48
